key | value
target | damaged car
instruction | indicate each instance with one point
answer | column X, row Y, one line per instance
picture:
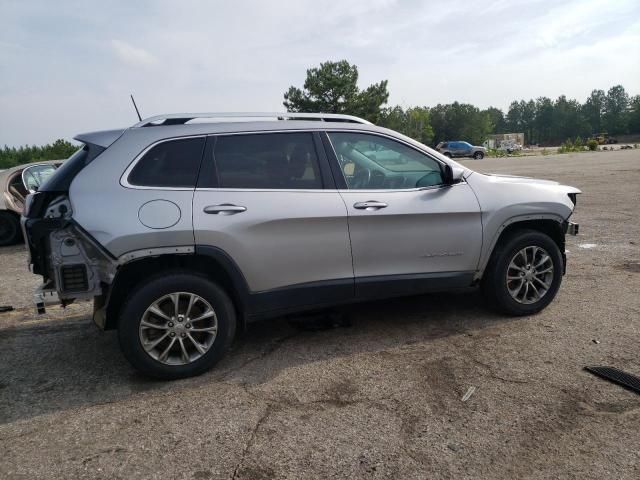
column 185, row 228
column 16, row 183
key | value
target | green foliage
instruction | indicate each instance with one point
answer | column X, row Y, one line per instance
column 615, row 110
column 332, row 88
column 634, row 115
column 11, row 156
column 592, row 144
column 593, row 109
column 548, row 122
column 413, row 122
column 497, row 120
column 460, row 121
column 569, row 145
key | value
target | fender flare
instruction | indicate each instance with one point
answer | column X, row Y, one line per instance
column 486, row 254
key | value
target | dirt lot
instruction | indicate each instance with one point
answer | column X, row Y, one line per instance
column 378, row 399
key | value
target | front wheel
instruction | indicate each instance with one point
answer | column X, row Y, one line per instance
column 524, row 273
column 478, row 155
column 176, row 325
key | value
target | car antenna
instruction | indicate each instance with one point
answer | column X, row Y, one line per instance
column 136, row 107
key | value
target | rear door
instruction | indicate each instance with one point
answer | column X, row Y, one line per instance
column 409, row 231
column 268, row 201
column 454, row 148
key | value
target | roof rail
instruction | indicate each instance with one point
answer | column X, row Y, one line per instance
column 182, row 118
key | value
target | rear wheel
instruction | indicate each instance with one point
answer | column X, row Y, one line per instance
column 524, row 274
column 9, row 229
column 478, row 155
column 447, row 154
column 176, row 326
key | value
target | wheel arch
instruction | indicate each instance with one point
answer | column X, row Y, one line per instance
column 551, row 225
column 211, row 262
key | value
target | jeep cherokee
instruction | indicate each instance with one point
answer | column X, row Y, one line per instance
column 183, row 232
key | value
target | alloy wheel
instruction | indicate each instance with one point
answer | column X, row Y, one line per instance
column 530, row 275
column 178, row 328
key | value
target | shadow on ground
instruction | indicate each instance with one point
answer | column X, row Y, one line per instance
column 63, row 364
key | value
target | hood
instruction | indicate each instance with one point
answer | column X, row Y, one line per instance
column 530, row 181
column 516, row 179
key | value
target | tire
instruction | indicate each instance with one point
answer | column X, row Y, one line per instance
column 10, row 232
column 497, row 288
column 161, row 292
column 478, row 156
column 447, row 154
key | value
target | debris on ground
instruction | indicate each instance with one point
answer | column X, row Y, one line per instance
column 5, row 308
column 597, row 342
column 627, row 380
column 470, row 392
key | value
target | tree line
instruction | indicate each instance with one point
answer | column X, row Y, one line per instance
column 11, row 156
column 332, row 88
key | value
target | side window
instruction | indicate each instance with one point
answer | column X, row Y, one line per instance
column 266, row 161
column 375, row 162
column 174, row 163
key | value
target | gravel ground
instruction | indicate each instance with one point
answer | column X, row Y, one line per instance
column 381, row 398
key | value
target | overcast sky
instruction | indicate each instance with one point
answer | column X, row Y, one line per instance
column 68, row 66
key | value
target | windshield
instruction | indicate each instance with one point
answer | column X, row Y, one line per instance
column 34, row 177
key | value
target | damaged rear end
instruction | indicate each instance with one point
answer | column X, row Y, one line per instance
column 72, row 264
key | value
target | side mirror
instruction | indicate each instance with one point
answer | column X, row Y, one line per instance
column 452, row 174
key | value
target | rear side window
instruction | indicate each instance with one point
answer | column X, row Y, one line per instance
column 174, row 163
column 266, row 161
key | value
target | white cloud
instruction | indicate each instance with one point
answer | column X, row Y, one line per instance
column 131, row 55
column 66, row 69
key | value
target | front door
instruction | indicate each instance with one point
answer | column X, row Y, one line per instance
column 264, row 199
column 409, row 231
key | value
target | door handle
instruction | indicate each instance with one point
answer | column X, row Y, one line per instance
column 224, row 209
column 369, row 205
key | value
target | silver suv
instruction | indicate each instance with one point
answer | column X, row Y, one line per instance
column 184, row 232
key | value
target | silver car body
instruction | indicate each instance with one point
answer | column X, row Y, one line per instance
column 286, row 240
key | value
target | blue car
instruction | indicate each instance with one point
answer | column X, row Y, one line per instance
column 457, row 148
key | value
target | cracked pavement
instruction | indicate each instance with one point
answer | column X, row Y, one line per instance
column 381, row 398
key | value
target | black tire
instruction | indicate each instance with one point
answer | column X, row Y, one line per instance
column 494, row 282
column 146, row 294
column 478, row 155
column 10, row 232
column 447, row 154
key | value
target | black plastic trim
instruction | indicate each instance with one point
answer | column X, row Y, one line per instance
column 410, row 284
column 240, row 284
column 302, row 295
column 329, row 293
column 208, row 175
column 323, row 162
column 338, row 176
